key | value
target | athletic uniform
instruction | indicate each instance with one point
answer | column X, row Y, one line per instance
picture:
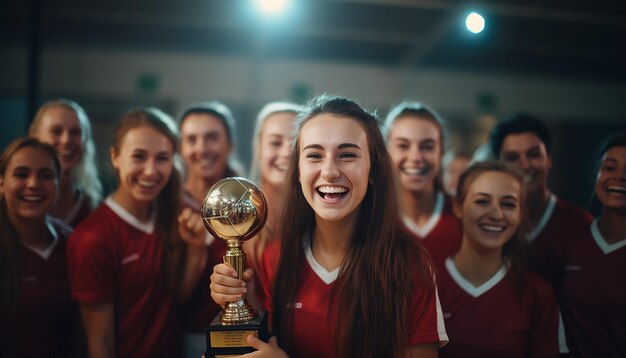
column 555, row 226
column 592, row 291
column 196, row 314
column 79, row 211
column 507, row 316
column 45, row 321
column 442, row 234
column 114, row 258
column 313, row 330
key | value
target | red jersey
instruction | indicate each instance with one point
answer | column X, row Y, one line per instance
column 591, row 286
column 442, row 234
column 45, row 321
column 114, row 258
column 79, row 211
column 198, row 312
column 312, row 331
column 507, row 316
column 555, row 226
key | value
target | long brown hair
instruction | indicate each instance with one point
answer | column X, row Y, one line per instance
column 10, row 256
column 514, row 249
column 376, row 281
column 168, row 202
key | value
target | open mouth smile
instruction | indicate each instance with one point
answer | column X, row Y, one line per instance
column 32, row 198
column 332, row 193
column 491, row 228
column 416, row 171
column 616, row 189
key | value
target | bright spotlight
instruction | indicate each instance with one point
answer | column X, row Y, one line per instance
column 271, row 7
column 475, row 23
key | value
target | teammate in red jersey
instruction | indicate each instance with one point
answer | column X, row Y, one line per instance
column 351, row 281
column 35, row 304
column 525, row 141
column 207, row 133
column 271, row 151
column 492, row 306
column 590, row 269
column 127, row 262
column 416, row 145
column 64, row 125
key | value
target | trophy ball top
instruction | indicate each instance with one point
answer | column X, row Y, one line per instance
column 234, row 208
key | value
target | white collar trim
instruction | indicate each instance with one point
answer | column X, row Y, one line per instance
column 131, row 220
column 47, row 252
column 601, row 241
column 320, row 271
column 468, row 286
column 423, row 231
column 547, row 214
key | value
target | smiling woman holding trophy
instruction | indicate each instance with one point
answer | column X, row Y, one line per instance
column 350, row 280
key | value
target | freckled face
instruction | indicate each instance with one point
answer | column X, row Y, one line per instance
column 334, row 166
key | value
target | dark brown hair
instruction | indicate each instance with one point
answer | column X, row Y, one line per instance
column 168, row 202
column 10, row 257
column 376, row 283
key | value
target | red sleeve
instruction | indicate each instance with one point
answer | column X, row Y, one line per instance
column 425, row 320
column 91, row 264
column 265, row 274
column 544, row 322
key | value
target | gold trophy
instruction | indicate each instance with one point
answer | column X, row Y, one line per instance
column 234, row 210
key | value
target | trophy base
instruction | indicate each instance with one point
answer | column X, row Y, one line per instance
column 230, row 340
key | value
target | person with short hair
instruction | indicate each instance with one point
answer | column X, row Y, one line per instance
column 524, row 140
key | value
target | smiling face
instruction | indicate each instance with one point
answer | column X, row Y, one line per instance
column 415, row 147
column 491, row 210
column 334, row 166
column 205, row 147
column 526, row 151
column 60, row 127
column 29, row 184
column 144, row 164
column 275, row 147
column 611, row 180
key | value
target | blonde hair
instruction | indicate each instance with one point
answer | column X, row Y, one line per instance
column 265, row 112
column 85, row 174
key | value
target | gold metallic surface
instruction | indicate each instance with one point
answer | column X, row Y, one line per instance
column 229, row 339
column 234, row 210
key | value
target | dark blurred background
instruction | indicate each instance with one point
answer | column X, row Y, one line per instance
column 563, row 60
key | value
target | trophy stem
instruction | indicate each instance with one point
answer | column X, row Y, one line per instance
column 240, row 311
